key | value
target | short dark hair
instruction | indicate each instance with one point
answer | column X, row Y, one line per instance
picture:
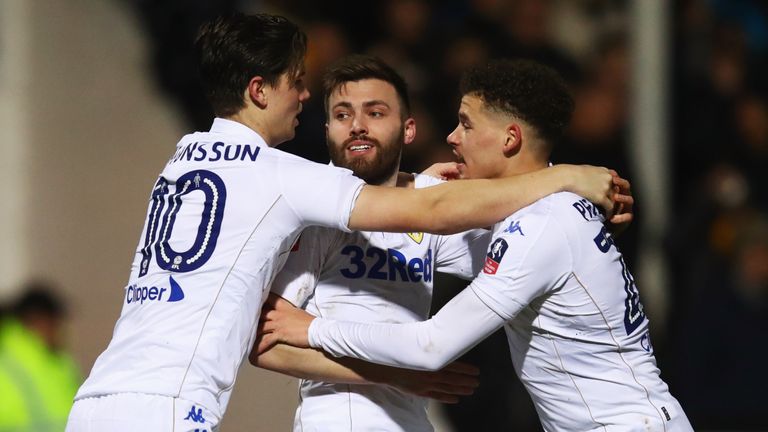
column 358, row 67
column 39, row 297
column 233, row 49
column 524, row 89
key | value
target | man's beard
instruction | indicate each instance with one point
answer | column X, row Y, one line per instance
column 374, row 171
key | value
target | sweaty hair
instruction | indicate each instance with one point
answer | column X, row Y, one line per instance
column 359, row 67
column 233, row 49
column 524, row 89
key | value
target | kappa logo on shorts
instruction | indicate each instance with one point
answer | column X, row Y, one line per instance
column 196, row 417
column 495, row 254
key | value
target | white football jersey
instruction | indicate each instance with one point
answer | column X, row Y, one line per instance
column 371, row 277
column 577, row 332
column 222, row 217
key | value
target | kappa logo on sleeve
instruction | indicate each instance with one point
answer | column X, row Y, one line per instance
column 495, row 254
column 514, row 227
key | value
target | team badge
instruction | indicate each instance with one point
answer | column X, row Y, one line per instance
column 416, row 236
column 495, row 254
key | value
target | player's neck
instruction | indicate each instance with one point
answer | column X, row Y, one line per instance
column 406, row 180
column 256, row 123
column 521, row 165
column 392, row 180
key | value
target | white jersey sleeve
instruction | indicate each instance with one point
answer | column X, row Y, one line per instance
column 323, row 195
column 461, row 254
column 299, row 276
column 528, row 257
column 426, row 345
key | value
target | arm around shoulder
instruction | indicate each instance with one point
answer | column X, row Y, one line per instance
column 460, row 205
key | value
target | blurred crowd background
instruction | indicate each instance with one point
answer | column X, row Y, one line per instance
column 709, row 333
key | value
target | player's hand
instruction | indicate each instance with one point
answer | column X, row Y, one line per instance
column 446, row 385
column 593, row 183
column 446, row 170
column 282, row 322
column 623, row 202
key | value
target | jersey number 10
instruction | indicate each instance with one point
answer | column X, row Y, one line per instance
column 161, row 219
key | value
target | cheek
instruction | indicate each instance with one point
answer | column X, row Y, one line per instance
column 337, row 134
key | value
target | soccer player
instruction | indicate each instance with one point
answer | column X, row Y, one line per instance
column 223, row 215
column 552, row 277
column 367, row 276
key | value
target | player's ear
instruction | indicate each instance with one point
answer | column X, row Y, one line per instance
column 513, row 139
column 409, row 130
column 255, row 92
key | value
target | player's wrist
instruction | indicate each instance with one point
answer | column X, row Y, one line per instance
column 566, row 177
column 314, row 331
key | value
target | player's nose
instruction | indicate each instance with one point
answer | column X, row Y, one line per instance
column 304, row 95
column 453, row 137
column 359, row 126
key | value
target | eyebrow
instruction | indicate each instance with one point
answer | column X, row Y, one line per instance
column 463, row 117
column 375, row 102
column 342, row 104
column 367, row 104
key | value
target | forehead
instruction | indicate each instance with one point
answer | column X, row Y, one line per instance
column 471, row 105
column 364, row 90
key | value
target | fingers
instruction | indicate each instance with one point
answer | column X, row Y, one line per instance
column 274, row 301
column 268, row 326
column 623, row 184
column 443, row 170
column 459, row 380
column 607, row 204
column 266, row 342
column 462, row 368
column 451, row 389
column 441, row 397
column 623, row 218
column 624, row 199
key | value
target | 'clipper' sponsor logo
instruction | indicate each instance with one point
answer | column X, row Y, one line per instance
column 390, row 264
column 494, row 256
column 137, row 294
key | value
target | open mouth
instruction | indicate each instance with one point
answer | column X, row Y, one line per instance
column 459, row 157
column 360, row 146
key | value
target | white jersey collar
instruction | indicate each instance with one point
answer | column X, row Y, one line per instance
column 231, row 127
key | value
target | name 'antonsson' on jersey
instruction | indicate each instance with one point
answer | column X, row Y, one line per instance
column 217, row 151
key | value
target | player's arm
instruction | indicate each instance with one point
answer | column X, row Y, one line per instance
column 525, row 264
column 427, row 345
column 446, row 385
column 457, row 206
